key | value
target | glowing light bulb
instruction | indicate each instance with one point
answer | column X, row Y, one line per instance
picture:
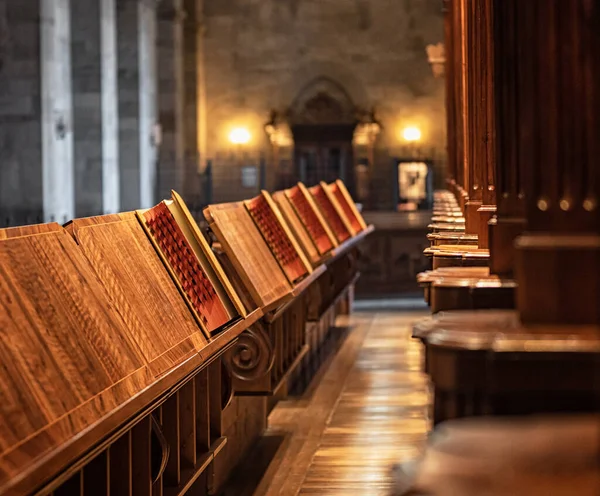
column 239, row 136
column 411, row 134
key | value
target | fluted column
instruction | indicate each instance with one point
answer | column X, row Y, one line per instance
column 450, row 74
column 458, row 55
column 480, row 119
column 510, row 193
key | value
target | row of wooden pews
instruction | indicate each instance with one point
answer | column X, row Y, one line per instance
column 514, row 285
column 140, row 355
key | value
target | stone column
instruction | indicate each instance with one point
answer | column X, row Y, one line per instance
column 95, row 106
column 57, row 111
column 136, row 22
column 171, row 75
column 194, row 97
column 21, row 189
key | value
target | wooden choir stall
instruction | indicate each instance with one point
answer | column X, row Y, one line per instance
column 141, row 355
column 514, row 287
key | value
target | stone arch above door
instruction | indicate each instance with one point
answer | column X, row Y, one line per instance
column 322, row 102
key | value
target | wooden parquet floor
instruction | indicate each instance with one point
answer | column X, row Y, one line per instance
column 365, row 412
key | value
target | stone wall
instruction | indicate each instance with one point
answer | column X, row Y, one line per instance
column 20, row 113
column 261, row 54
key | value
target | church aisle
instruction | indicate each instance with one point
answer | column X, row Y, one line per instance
column 381, row 416
column 364, row 412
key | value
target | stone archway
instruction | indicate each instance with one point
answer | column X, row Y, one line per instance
column 322, row 119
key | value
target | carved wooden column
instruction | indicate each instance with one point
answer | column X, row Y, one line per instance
column 450, row 94
column 558, row 145
column 510, row 198
column 480, row 118
column 460, row 123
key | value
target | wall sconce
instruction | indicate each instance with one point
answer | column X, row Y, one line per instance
column 411, row 134
column 239, row 136
column 436, row 56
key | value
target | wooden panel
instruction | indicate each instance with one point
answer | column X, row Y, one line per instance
column 297, row 227
column 312, row 219
column 334, row 218
column 214, row 391
column 141, row 461
column 249, row 254
column 96, row 476
column 157, row 317
column 187, row 424
column 73, row 487
column 202, row 412
column 342, row 197
column 65, row 343
column 170, row 425
column 121, row 482
column 277, row 236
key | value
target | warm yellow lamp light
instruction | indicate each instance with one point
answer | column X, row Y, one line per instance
column 239, row 136
column 411, row 134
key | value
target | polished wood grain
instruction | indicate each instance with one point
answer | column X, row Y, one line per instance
column 93, row 333
column 380, row 418
column 364, row 412
column 249, row 254
column 66, row 345
column 156, row 315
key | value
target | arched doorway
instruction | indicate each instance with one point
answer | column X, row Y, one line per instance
column 322, row 120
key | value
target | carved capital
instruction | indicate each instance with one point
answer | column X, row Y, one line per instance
column 252, row 355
